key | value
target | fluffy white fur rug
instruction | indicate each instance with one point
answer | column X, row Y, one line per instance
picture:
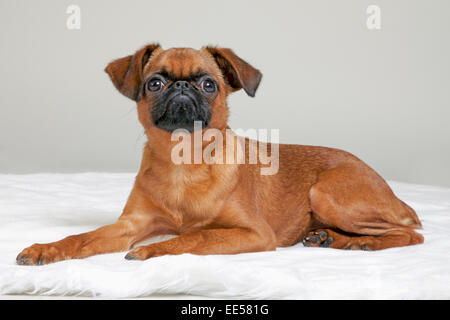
column 47, row 207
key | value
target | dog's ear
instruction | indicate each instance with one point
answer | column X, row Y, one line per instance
column 127, row 73
column 236, row 72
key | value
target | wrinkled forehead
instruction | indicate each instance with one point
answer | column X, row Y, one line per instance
column 182, row 63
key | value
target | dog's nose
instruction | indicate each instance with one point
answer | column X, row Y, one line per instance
column 181, row 84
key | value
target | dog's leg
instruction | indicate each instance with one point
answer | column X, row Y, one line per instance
column 211, row 241
column 353, row 198
column 112, row 238
column 138, row 221
column 329, row 238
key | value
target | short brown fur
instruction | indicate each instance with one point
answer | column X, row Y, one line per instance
column 323, row 196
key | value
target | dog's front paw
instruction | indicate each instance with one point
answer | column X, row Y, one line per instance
column 39, row 254
column 144, row 253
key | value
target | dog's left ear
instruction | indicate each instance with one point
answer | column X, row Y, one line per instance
column 236, row 72
column 127, row 73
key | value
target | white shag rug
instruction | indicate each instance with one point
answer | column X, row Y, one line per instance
column 48, row 207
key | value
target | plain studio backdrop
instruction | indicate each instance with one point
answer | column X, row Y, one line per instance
column 382, row 94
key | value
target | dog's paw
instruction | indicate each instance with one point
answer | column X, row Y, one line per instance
column 318, row 238
column 39, row 254
column 143, row 253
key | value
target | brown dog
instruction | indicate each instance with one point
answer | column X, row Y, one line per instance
column 325, row 197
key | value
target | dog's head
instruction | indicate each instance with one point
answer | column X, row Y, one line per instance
column 175, row 87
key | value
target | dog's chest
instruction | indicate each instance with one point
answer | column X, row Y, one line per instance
column 188, row 187
column 192, row 195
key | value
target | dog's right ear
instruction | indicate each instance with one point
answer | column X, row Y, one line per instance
column 127, row 73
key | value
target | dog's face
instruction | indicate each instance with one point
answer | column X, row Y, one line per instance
column 182, row 86
column 174, row 88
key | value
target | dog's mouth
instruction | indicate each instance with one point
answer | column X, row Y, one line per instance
column 180, row 111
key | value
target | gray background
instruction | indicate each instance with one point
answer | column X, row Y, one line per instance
column 383, row 95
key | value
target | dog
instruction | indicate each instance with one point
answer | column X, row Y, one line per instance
column 320, row 196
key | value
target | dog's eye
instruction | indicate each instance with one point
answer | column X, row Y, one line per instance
column 208, row 86
column 155, row 84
